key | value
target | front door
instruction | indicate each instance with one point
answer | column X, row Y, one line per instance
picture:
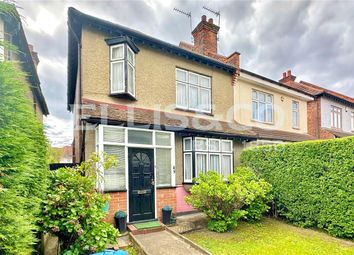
column 141, row 184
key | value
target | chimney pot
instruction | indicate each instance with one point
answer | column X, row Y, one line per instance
column 210, row 21
column 284, row 75
column 204, row 18
column 289, row 72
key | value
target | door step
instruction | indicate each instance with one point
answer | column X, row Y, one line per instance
column 146, row 227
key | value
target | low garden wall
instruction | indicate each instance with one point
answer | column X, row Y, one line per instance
column 313, row 182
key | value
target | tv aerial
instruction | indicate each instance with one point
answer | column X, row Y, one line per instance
column 188, row 15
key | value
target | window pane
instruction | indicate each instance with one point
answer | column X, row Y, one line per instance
column 163, row 167
column 201, row 165
column 117, row 80
column 262, row 112
column 255, row 110
column 113, row 135
column 114, row 178
column 214, row 145
column 295, row 105
column 193, row 97
column 254, row 95
column 261, row 97
column 205, row 100
column 181, row 100
column 131, row 56
column 201, row 144
column 226, row 146
column 181, row 75
column 226, row 165
column 214, row 164
column 269, row 99
column 295, row 119
column 131, row 79
column 187, row 144
column 163, row 139
column 269, row 113
column 117, row 52
column 187, row 167
column 139, row 137
column 204, row 81
column 193, row 78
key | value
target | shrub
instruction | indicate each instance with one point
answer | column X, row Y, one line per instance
column 222, row 201
column 312, row 182
column 74, row 209
column 261, row 195
column 23, row 162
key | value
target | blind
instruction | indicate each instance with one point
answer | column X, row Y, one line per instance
column 163, row 167
column 114, row 178
column 113, row 135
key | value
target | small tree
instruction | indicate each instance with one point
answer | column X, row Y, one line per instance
column 74, row 209
column 224, row 201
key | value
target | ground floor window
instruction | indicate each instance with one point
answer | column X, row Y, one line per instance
column 202, row 154
column 115, row 140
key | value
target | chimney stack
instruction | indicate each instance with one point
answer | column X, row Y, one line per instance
column 205, row 37
column 34, row 55
column 287, row 77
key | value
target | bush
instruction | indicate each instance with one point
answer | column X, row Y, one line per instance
column 74, row 209
column 312, row 182
column 223, row 201
column 23, row 163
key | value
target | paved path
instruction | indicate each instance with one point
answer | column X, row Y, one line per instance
column 165, row 242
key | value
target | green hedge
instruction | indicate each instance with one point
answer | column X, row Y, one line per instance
column 23, row 164
column 313, row 182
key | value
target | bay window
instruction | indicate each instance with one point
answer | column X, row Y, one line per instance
column 122, row 66
column 262, row 106
column 193, row 91
column 202, row 154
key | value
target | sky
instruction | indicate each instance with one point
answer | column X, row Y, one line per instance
column 312, row 38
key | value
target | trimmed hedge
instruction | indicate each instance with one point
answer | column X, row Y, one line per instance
column 313, row 182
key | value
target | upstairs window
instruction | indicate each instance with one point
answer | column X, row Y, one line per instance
column 336, row 117
column 352, row 121
column 193, row 91
column 295, row 114
column 262, row 107
column 122, row 66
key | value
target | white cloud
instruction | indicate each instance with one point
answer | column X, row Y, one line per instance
column 44, row 22
column 59, row 132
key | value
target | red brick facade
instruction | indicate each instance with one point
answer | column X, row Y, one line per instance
column 118, row 202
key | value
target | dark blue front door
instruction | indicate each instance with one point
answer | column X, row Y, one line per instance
column 141, row 184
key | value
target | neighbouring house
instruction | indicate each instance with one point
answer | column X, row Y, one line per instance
column 168, row 113
column 11, row 30
column 330, row 115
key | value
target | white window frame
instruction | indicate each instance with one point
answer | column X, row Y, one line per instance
column 297, row 111
column 100, row 148
column 219, row 144
column 184, row 143
column 257, row 101
column 231, row 163
column 336, row 117
column 125, row 62
column 208, row 152
column 196, row 163
column 199, row 87
column 184, row 166
column 201, row 139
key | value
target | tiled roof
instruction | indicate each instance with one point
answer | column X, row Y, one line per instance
column 338, row 133
column 96, row 111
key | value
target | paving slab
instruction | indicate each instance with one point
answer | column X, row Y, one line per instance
column 167, row 242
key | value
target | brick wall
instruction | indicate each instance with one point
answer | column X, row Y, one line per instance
column 314, row 120
column 118, row 202
column 165, row 197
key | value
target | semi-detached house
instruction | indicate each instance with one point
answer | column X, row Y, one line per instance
column 167, row 112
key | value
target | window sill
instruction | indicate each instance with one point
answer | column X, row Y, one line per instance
column 123, row 95
column 118, row 190
column 193, row 111
column 263, row 122
column 297, row 128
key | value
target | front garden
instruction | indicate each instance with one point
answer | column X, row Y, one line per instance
column 271, row 237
